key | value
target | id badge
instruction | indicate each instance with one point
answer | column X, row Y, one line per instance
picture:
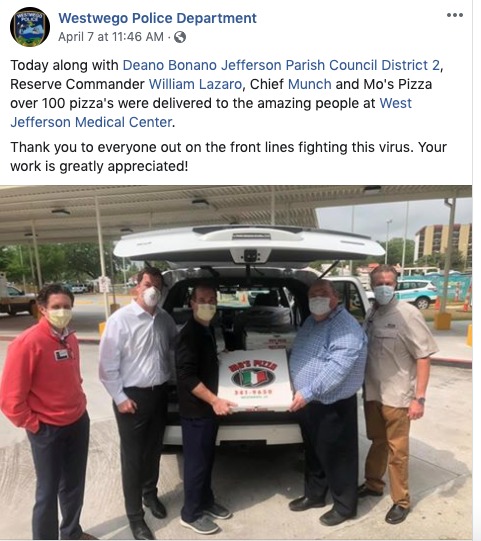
column 62, row 355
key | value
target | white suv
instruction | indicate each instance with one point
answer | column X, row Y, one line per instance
column 421, row 293
column 262, row 283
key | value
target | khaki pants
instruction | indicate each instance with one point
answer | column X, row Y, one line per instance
column 388, row 430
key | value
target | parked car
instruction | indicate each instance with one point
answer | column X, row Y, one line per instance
column 421, row 293
column 80, row 288
column 262, row 265
column 17, row 301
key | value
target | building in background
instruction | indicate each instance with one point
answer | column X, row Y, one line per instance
column 434, row 239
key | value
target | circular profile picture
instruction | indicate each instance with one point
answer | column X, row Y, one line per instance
column 29, row 27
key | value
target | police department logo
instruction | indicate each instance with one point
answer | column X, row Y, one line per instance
column 29, row 27
column 253, row 378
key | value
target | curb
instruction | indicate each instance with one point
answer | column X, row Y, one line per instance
column 81, row 340
column 457, row 363
column 90, row 341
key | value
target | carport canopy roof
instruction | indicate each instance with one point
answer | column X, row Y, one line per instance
column 67, row 213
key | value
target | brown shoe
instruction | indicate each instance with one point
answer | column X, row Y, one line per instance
column 397, row 514
column 364, row 491
column 87, row 536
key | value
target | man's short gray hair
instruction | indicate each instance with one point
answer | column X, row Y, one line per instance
column 384, row 268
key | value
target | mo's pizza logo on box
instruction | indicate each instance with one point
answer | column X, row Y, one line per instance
column 255, row 373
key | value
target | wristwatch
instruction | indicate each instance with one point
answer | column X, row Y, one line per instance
column 421, row 400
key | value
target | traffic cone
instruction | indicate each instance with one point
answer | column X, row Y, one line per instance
column 437, row 304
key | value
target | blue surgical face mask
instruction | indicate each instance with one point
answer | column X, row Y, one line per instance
column 383, row 294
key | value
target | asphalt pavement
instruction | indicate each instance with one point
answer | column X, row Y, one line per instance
column 258, row 483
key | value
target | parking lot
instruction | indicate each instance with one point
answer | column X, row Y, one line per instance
column 258, row 483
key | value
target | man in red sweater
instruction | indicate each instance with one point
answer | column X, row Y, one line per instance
column 41, row 391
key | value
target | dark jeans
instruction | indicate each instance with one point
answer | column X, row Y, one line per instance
column 198, row 442
column 60, row 459
column 330, row 437
column 141, row 436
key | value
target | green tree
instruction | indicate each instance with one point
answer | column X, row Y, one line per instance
column 458, row 261
column 431, row 260
column 66, row 262
column 16, row 264
column 83, row 260
column 53, row 263
column 395, row 252
column 5, row 257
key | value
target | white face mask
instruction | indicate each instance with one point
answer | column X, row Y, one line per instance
column 59, row 318
column 206, row 312
column 383, row 294
column 319, row 306
column 151, row 296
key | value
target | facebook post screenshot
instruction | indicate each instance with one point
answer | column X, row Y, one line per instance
column 236, row 270
column 208, row 91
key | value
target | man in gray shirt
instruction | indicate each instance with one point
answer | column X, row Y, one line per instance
column 135, row 369
column 400, row 345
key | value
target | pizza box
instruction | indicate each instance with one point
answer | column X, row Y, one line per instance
column 256, row 380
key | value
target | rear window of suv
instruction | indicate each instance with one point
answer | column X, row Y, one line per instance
column 411, row 285
column 266, row 315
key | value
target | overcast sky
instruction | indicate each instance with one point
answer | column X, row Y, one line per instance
column 371, row 220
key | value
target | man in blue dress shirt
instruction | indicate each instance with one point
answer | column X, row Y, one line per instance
column 327, row 366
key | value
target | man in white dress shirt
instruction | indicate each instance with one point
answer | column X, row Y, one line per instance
column 134, row 368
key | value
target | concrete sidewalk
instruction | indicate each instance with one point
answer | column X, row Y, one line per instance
column 258, row 483
column 453, row 348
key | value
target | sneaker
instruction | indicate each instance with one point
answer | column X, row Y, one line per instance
column 218, row 511
column 202, row 525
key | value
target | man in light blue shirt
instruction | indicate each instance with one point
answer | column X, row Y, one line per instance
column 327, row 366
column 135, row 369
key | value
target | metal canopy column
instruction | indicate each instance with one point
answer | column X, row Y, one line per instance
column 353, row 215
column 102, row 258
column 449, row 250
column 273, row 205
column 442, row 320
column 406, row 221
column 37, row 258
